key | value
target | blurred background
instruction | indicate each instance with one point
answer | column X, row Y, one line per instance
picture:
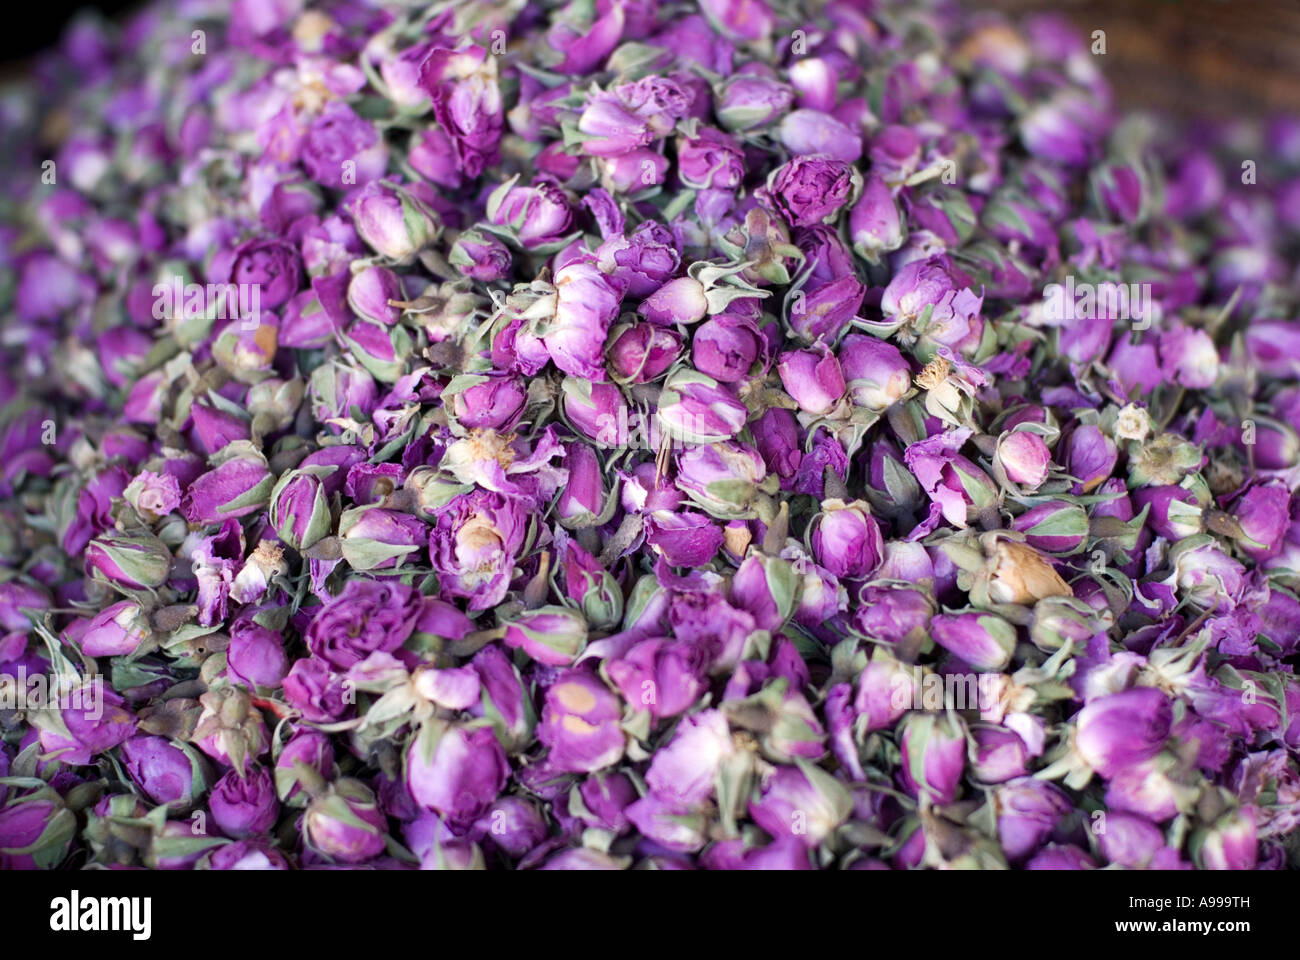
column 1192, row 57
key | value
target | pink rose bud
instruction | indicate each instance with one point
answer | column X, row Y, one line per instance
column 1025, row 458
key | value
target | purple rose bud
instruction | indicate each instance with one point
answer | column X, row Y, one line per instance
column 538, row 216
column 1065, row 129
column 1173, row 512
column 934, row 286
column 393, row 221
column 503, row 698
column 583, row 500
column 35, row 831
column 462, row 85
column 1264, row 515
column 813, row 378
column 725, row 347
column 815, row 80
column 1273, row 346
column 371, row 290
column 766, row 587
column 722, row 478
column 1145, row 789
column 115, row 631
column 512, row 824
column 1123, row 728
column 893, row 614
column 1055, row 527
column 456, row 772
column 256, row 656
column 153, row 495
column 244, row 806
column 801, row 802
column 895, row 151
column 371, row 482
column 1000, row 755
column 1230, row 844
column 230, row 729
column 239, row 486
column 875, row 226
column 300, row 512
column 884, row 691
column 811, row 132
column 812, row 189
column 367, row 615
column 1133, row 842
column 373, row 538
column 480, row 256
column 934, row 755
column 581, row 724
column 846, row 539
column 634, row 171
column 1025, row 458
column 255, row 854
column 596, row 410
column 1134, row 367
column 314, row 691
column 1028, row 811
column 455, row 688
column 710, row 161
column 749, row 100
column 645, row 261
column 550, row 635
column 665, row 677
column 91, row 720
column 272, row 266
column 474, row 544
column 586, row 304
column 1276, row 445
column 678, row 301
column 606, row 797
column 1090, row 458
column 215, row 428
column 175, row 846
column 313, row 750
column 750, row 20
column 643, row 351
column 684, row 770
column 776, row 433
column 984, row 641
column 695, row 408
column 345, row 823
column 493, row 403
column 166, row 771
column 1061, row 857
column 134, row 562
column 591, row 586
column 684, row 539
column 341, row 149
column 1189, row 357
column 612, row 128
column 1205, row 575
column 876, row 373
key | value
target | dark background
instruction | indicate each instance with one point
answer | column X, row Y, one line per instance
column 1215, row 57
column 34, row 25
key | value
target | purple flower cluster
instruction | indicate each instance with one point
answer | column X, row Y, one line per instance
column 620, row 434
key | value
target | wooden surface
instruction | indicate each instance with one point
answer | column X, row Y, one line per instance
column 1193, row 57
